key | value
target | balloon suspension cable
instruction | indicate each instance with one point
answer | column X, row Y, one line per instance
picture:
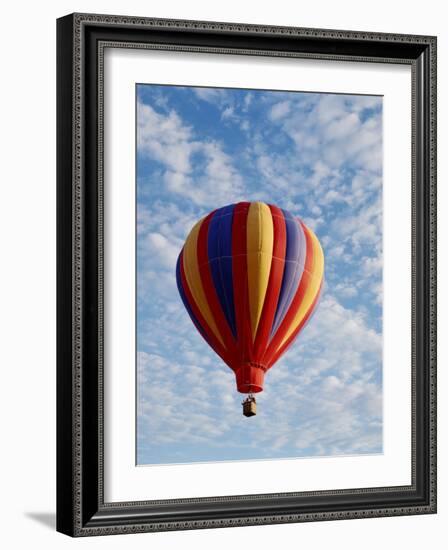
column 249, row 406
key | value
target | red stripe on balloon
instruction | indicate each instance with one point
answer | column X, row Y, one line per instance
column 210, row 291
column 274, row 284
column 295, row 304
column 240, row 284
column 207, row 333
column 302, row 323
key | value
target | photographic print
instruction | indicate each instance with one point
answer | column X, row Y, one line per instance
column 259, row 274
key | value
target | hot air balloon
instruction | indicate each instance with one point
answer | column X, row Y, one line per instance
column 250, row 275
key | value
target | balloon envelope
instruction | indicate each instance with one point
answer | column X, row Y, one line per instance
column 250, row 275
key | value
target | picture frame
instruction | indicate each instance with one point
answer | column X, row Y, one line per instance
column 81, row 507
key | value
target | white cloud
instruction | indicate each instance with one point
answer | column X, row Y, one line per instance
column 372, row 266
column 166, row 139
column 228, row 113
column 364, row 228
column 345, row 290
column 248, row 98
column 332, row 196
column 159, row 248
column 162, row 229
column 215, row 96
column 172, row 415
column 279, row 110
column 331, row 130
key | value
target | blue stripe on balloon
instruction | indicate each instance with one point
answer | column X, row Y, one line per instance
column 219, row 250
column 294, row 264
column 184, row 299
column 315, row 306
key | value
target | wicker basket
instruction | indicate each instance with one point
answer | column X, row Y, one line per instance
column 249, row 407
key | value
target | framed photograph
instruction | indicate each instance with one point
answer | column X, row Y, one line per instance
column 246, row 274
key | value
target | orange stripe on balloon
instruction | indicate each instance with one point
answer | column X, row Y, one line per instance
column 207, row 334
column 193, row 278
column 316, row 272
column 284, row 347
column 274, row 284
column 210, row 291
column 282, row 330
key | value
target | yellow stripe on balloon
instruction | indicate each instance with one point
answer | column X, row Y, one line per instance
column 193, row 277
column 260, row 242
column 316, row 273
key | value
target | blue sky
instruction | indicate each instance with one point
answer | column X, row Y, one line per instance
column 318, row 156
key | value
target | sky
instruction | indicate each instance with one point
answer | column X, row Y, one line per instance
column 320, row 157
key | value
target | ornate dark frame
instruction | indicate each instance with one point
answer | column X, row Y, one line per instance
column 81, row 39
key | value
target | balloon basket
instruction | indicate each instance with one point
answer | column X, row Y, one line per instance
column 249, row 406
